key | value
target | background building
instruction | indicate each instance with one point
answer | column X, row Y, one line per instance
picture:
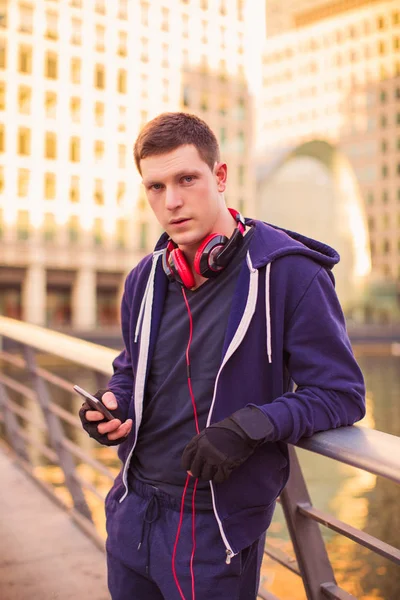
column 77, row 81
column 331, row 92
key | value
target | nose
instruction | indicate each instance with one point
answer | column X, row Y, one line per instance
column 172, row 198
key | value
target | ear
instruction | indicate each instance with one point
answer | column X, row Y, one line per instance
column 221, row 174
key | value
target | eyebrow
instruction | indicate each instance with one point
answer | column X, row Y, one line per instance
column 176, row 176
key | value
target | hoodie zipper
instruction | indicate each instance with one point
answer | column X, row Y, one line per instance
column 233, row 346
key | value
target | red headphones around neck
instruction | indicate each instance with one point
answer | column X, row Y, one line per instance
column 212, row 256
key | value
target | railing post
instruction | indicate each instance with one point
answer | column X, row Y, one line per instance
column 56, row 436
column 11, row 425
column 309, row 546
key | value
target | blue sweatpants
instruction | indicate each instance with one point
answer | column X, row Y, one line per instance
column 141, row 536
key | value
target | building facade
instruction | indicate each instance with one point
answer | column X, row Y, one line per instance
column 334, row 76
column 78, row 79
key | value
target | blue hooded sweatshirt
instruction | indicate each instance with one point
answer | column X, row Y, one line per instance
column 285, row 326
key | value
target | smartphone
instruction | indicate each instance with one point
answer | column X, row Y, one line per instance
column 94, row 403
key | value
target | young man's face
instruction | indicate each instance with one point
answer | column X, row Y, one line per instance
column 185, row 195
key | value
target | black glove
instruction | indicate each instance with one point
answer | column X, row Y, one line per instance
column 219, row 449
column 91, row 426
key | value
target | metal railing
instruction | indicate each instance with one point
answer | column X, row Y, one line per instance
column 367, row 449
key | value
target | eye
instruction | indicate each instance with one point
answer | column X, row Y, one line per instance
column 188, row 179
column 156, row 187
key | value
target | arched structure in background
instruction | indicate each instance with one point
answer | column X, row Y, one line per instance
column 312, row 189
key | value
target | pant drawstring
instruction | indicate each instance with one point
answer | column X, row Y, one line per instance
column 151, row 515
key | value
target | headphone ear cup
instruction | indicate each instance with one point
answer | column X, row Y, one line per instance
column 205, row 254
column 180, row 268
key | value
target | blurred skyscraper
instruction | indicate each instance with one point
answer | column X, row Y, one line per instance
column 331, row 92
column 78, row 79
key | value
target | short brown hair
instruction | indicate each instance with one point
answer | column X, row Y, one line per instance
column 170, row 130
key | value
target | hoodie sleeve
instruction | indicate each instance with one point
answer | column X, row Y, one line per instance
column 122, row 381
column 330, row 387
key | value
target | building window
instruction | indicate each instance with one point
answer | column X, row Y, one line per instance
column 75, row 150
column 75, row 70
column 240, row 142
column 165, row 96
column 204, row 101
column 51, row 65
column 25, row 18
column 185, row 96
column 49, row 186
column 76, row 32
column 50, row 104
column 1, row 191
column 51, row 25
column 2, row 95
column 121, row 233
column 100, row 7
column 144, row 13
column 164, row 19
column 398, row 118
column 100, row 33
column 98, row 150
column 222, row 137
column 98, row 232
column 241, row 171
column 75, row 108
column 50, row 145
column 23, row 225
column 143, row 235
column 185, row 25
column 121, row 85
column 25, row 59
column 24, row 99
column 121, row 189
column 122, row 43
column 73, row 228
column 384, row 146
column 23, row 182
column 144, row 55
column 121, row 156
column 99, row 77
column 3, row 57
column 385, row 171
column 98, row 192
column 383, row 121
column 385, row 197
column 123, row 9
column 121, row 118
column 3, row 13
column 74, row 195
column 2, row 138
column 165, row 57
column 99, row 113
column 24, row 141
column 49, row 227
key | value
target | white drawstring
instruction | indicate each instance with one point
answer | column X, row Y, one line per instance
column 268, row 311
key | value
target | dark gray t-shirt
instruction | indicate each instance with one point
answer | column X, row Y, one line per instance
column 168, row 421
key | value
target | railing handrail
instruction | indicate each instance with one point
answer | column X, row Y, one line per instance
column 94, row 356
column 368, row 449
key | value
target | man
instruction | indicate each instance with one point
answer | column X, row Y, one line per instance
column 218, row 324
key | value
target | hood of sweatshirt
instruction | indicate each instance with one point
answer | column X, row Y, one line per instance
column 271, row 242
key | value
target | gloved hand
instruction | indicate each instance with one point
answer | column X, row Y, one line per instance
column 222, row 447
column 114, row 427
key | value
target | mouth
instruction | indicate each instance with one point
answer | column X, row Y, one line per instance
column 178, row 221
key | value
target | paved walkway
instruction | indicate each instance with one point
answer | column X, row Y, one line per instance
column 43, row 554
